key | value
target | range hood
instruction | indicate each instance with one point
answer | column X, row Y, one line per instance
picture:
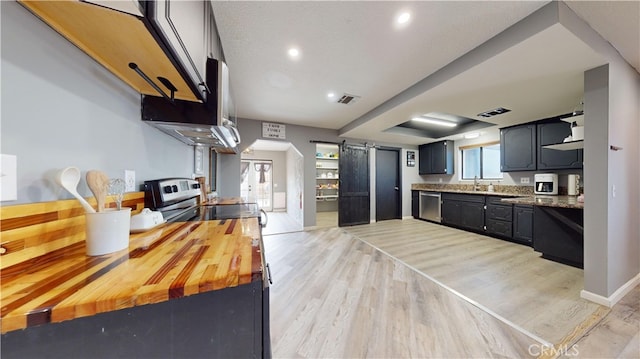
column 202, row 124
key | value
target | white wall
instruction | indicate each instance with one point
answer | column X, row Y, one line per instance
column 61, row 108
column 295, row 185
column 612, row 117
column 624, row 166
column 300, row 137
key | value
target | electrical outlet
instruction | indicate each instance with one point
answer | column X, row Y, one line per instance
column 130, row 180
column 524, row 180
column 439, row 180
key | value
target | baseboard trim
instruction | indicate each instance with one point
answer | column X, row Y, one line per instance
column 614, row 298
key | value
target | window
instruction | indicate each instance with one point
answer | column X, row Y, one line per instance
column 482, row 161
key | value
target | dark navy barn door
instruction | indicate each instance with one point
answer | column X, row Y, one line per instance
column 353, row 203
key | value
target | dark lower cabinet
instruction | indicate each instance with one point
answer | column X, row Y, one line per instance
column 473, row 216
column 415, row 204
column 558, row 234
column 227, row 323
column 498, row 218
column 523, row 223
column 464, row 211
column 451, row 213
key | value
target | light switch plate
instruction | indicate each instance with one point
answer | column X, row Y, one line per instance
column 8, row 178
column 130, row 180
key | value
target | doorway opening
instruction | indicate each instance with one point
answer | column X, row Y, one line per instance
column 272, row 175
column 256, row 184
column 327, row 184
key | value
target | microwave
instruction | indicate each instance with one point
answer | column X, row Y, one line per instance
column 546, row 183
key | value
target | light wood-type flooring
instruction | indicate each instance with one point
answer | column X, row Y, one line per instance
column 326, row 219
column 616, row 336
column 334, row 295
column 280, row 222
column 511, row 280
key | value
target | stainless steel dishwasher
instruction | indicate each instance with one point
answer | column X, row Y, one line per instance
column 430, row 206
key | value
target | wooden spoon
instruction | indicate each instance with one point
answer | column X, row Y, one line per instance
column 98, row 183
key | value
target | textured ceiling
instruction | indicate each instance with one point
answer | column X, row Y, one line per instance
column 354, row 47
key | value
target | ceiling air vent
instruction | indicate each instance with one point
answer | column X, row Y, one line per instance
column 348, row 99
column 494, row 112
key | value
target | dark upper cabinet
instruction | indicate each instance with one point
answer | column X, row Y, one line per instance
column 118, row 38
column 184, row 26
column 518, row 148
column 436, row 158
column 552, row 133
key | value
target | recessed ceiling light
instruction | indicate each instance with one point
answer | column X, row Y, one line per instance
column 434, row 121
column 331, row 95
column 403, row 18
column 294, row 53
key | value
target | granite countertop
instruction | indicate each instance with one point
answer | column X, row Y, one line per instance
column 499, row 190
column 171, row 261
column 548, row 201
column 512, row 194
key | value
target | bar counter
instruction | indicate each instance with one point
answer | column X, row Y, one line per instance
column 548, row 201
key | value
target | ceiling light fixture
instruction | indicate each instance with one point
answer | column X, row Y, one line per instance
column 293, row 52
column 403, row 18
column 331, row 95
column 434, row 121
column 472, row 135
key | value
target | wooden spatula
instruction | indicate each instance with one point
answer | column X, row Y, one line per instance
column 98, row 183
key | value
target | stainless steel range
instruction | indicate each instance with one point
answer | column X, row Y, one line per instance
column 178, row 201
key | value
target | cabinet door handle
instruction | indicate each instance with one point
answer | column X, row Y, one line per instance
column 269, row 274
column 134, row 67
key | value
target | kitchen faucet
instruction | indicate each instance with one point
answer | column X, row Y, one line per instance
column 476, row 185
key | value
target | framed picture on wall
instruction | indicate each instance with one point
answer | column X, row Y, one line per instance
column 198, row 156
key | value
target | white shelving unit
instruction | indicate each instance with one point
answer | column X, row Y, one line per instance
column 327, row 177
column 567, row 146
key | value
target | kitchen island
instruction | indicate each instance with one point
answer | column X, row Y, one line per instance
column 183, row 289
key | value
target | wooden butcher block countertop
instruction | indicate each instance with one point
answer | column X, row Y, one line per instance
column 53, row 282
